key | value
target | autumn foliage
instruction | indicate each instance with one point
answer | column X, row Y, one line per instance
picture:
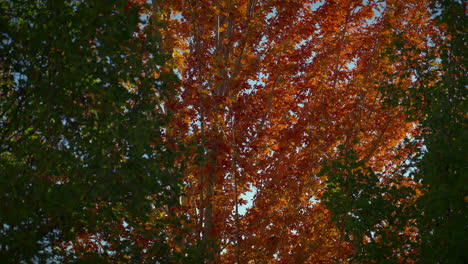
column 270, row 90
column 265, row 127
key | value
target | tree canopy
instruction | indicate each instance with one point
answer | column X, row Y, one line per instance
column 229, row 131
column 84, row 157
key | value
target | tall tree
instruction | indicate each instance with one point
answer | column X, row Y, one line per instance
column 270, row 89
column 83, row 152
column 442, row 169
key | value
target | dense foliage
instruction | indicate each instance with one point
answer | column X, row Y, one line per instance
column 83, row 156
column 417, row 213
column 299, row 131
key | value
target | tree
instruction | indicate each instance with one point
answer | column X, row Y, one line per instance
column 269, row 91
column 442, row 168
column 83, row 152
column 421, row 216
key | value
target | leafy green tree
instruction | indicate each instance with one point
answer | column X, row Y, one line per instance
column 374, row 211
column 443, row 167
column 83, row 153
